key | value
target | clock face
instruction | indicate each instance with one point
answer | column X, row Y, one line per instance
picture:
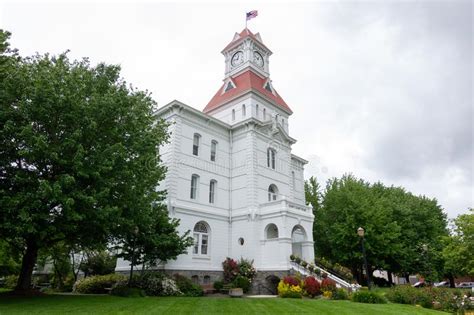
column 258, row 59
column 237, row 58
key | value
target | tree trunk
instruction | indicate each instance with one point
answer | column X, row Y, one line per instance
column 27, row 265
column 390, row 278
column 451, row 281
column 407, row 278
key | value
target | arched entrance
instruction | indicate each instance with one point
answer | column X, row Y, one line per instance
column 298, row 236
column 271, row 284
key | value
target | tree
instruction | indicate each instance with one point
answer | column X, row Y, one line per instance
column 459, row 247
column 98, row 262
column 152, row 240
column 402, row 231
column 312, row 192
column 78, row 153
column 9, row 260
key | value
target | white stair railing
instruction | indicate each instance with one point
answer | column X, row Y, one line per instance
column 340, row 283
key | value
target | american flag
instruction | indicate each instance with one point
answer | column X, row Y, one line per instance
column 252, row 14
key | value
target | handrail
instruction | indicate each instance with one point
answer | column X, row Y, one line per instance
column 339, row 281
column 334, row 272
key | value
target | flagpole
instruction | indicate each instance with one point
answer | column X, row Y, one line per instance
column 246, row 20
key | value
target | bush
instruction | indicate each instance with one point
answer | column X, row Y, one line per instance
column 242, row 282
column 312, row 286
column 286, row 290
column 291, row 281
column 187, row 287
column 340, row 294
column 158, row 284
column 246, row 269
column 304, row 264
column 405, row 294
column 297, row 259
column 363, row 296
column 97, row 284
column 218, row 285
column 292, row 257
column 11, row 281
column 328, row 285
column 231, row 269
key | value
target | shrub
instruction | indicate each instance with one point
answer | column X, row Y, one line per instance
column 363, row 296
column 157, row 284
column 297, row 260
column 381, row 282
column 340, row 294
column 246, row 269
column 97, row 284
column 328, row 285
column 11, row 281
column 312, row 286
column 241, row 282
column 292, row 257
column 286, row 290
column 304, row 263
column 291, row 281
column 187, row 287
column 231, row 269
column 405, row 294
column 218, row 285
column 311, row 267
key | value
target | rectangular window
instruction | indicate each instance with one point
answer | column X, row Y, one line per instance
column 204, row 244
column 257, row 114
column 196, row 243
column 196, row 144
column 213, row 150
column 273, row 158
column 194, row 183
column 212, row 190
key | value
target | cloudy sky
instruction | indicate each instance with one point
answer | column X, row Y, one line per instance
column 380, row 90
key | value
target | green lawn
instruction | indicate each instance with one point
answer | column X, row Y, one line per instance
column 60, row 304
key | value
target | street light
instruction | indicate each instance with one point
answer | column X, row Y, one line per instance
column 361, row 232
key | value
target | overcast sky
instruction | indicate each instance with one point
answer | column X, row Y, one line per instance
column 383, row 91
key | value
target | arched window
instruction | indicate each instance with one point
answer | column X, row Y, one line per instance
column 201, row 238
column 244, row 112
column 298, row 236
column 257, row 114
column 207, row 279
column 272, row 192
column 212, row 190
column 271, row 231
column 271, row 158
column 196, row 140
column 194, row 186
column 264, row 114
column 233, row 114
column 213, row 150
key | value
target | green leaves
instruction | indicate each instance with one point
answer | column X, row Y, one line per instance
column 75, row 146
column 396, row 224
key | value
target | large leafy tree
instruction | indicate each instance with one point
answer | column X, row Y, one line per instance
column 78, row 153
column 402, row 231
column 459, row 247
column 312, row 192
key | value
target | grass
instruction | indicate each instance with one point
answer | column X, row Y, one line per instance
column 70, row 304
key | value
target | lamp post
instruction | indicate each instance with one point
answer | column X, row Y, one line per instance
column 361, row 232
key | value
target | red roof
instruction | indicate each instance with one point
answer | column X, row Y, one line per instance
column 245, row 82
column 242, row 35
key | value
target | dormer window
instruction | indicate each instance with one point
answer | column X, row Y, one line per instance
column 268, row 87
column 229, row 86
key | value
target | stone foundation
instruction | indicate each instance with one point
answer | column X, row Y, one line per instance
column 265, row 282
